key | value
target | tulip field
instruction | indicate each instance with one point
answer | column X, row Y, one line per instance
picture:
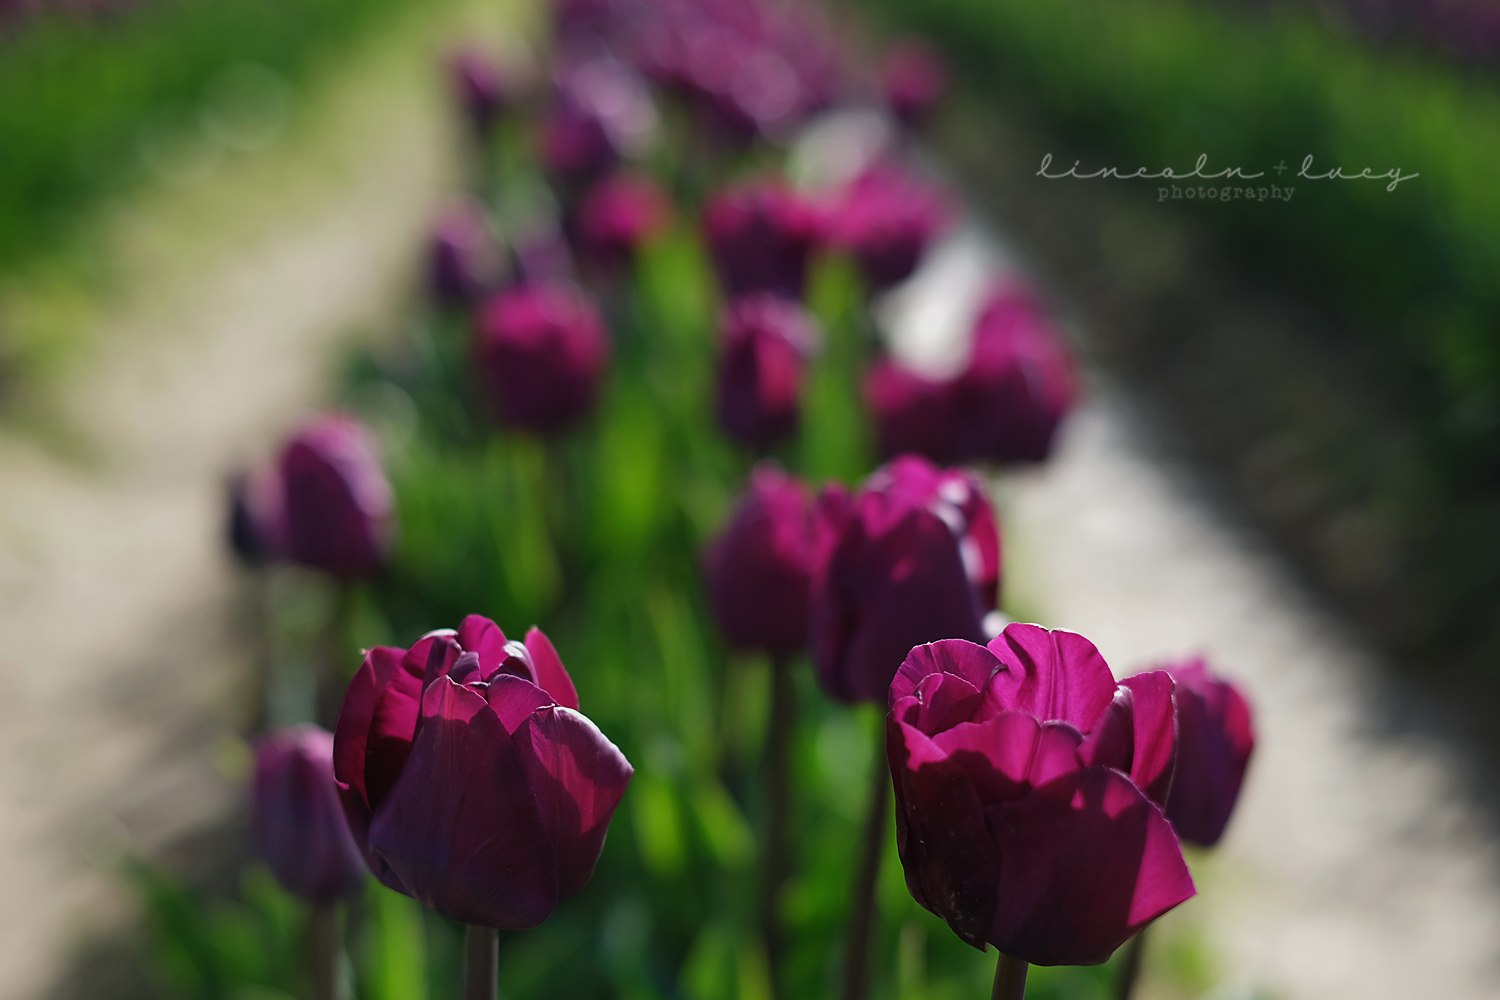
column 635, row 626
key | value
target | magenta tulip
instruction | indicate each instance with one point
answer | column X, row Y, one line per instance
column 1029, row 791
column 759, row 569
column 481, row 86
column 765, row 343
column 541, row 350
column 465, row 259
column 761, row 237
column 296, row 820
column 470, row 779
column 337, row 507
column 913, row 557
column 1216, row 738
column 915, row 79
column 256, row 516
column 885, row 219
column 618, row 215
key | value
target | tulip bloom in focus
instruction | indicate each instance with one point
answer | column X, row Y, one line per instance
column 1215, row 739
column 765, row 343
column 337, row 507
column 760, row 567
column 541, row 350
column 470, row 779
column 914, row 557
column 1005, row 406
column 296, row 820
column 1029, row 793
column 761, row 237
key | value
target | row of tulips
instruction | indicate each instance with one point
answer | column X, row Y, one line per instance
column 1039, row 804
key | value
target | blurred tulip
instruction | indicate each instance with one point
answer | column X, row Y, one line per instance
column 256, row 516
column 886, row 218
column 469, row 777
column 618, row 215
column 480, row 84
column 913, row 557
column 1029, row 789
column 915, row 79
column 338, row 508
column 575, row 146
column 1216, row 738
column 765, row 343
column 1005, row 406
column 761, row 237
column 759, row 569
column 602, row 112
column 465, row 259
column 296, row 820
column 541, row 350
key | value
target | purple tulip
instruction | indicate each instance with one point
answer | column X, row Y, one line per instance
column 338, row 509
column 256, row 516
column 602, row 112
column 1029, row 789
column 912, row 413
column 1216, row 738
column 466, row 259
column 576, row 146
column 469, row 778
column 766, row 340
column 541, row 350
column 886, row 219
column 914, row 557
column 618, row 215
column 481, row 86
column 296, row 820
column 761, row 237
column 759, row 569
column 915, row 79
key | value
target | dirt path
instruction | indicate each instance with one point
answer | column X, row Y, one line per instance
column 1355, row 866
column 229, row 295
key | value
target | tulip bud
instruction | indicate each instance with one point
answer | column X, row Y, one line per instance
column 912, row 413
column 541, row 350
column 617, row 216
column 885, row 219
column 469, row 778
column 766, row 340
column 575, row 145
column 481, row 87
column 256, row 517
column 1216, row 738
column 759, row 569
column 466, row 259
column 761, row 237
column 338, row 506
column 913, row 557
column 915, row 79
column 296, row 820
column 1029, row 788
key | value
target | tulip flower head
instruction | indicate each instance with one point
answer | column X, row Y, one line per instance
column 337, row 506
column 618, row 215
column 915, row 79
column 761, row 237
column 765, row 343
column 885, row 219
column 465, row 259
column 481, row 86
column 296, row 820
column 256, row 518
column 541, row 350
column 1029, row 792
column 1216, row 738
column 470, row 779
column 759, row 569
column 913, row 556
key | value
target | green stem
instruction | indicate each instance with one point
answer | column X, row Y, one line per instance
column 323, row 950
column 481, row 963
column 1010, row 979
column 862, row 908
column 1130, row 970
column 778, row 810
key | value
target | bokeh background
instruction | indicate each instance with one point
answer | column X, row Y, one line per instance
column 212, row 221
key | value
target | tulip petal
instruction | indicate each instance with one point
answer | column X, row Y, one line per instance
column 578, row 777
column 477, row 634
column 1215, row 742
column 996, row 754
column 433, row 656
column 945, row 846
column 513, row 699
column 1154, row 722
column 358, row 712
column 1111, row 743
column 552, row 676
column 971, row 662
column 1056, row 753
column 461, row 828
column 1085, row 862
column 1050, row 674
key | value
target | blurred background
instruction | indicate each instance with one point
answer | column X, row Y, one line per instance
column 214, row 221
